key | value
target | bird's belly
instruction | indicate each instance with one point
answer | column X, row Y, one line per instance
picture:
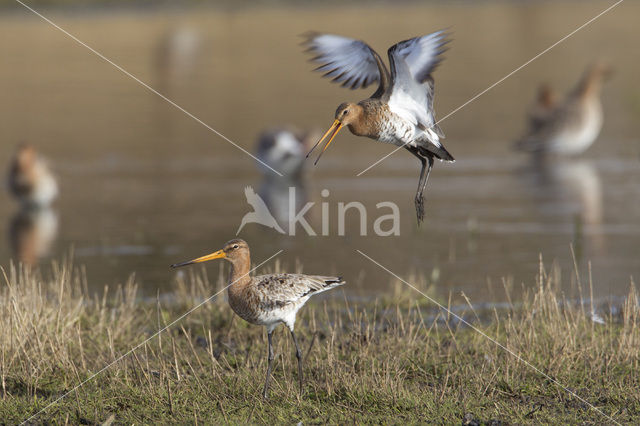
column 576, row 139
column 261, row 312
column 397, row 131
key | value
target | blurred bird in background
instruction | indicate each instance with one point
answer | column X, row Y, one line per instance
column 30, row 179
column 284, row 149
column 570, row 126
column 33, row 228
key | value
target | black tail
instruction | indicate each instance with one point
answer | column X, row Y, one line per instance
column 440, row 152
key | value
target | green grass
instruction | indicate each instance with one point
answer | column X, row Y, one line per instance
column 395, row 360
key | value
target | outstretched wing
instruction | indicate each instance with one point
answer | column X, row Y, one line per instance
column 348, row 61
column 422, row 54
column 412, row 62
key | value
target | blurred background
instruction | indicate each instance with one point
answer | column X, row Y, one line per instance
column 142, row 185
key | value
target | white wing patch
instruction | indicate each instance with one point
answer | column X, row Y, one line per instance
column 412, row 62
column 410, row 100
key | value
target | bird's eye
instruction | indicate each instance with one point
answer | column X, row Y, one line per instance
column 345, row 112
column 235, row 246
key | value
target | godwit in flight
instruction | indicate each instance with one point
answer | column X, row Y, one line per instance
column 267, row 300
column 400, row 111
column 570, row 126
column 30, row 180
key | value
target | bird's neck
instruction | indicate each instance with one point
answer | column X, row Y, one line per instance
column 240, row 274
column 589, row 85
column 367, row 120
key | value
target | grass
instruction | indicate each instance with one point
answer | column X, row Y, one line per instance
column 391, row 360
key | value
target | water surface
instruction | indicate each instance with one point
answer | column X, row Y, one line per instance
column 144, row 186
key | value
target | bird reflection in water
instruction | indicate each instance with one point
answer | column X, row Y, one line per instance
column 284, row 149
column 33, row 228
column 559, row 130
column 32, row 232
column 573, row 188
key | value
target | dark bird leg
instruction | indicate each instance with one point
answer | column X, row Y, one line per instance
column 427, row 164
column 299, row 357
column 270, row 358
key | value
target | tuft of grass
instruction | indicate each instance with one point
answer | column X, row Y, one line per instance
column 396, row 359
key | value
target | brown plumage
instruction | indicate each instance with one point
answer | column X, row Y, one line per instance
column 400, row 111
column 570, row 126
column 30, row 180
column 267, row 300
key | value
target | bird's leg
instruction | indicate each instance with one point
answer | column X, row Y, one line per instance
column 270, row 359
column 422, row 182
column 419, row 200
column 423, row 179
column 299, row 357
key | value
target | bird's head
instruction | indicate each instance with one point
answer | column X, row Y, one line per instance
column 25, row 156
column 346, row 115
column 600, row 69
column 546, row 96
column 232, row 251
column 593, row 77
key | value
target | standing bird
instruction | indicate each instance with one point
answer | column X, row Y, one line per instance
column 400, row 111
column 267, row 299
column 568, row 127
column 30, row 180
column 284, row 149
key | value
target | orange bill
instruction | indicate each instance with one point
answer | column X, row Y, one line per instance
column 220, row 254
column 331, row 133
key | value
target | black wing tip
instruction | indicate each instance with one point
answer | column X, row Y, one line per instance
column 337, row 280
column 444, row 155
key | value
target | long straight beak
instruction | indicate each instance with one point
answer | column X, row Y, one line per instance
column 332, row 132
column 220, row 254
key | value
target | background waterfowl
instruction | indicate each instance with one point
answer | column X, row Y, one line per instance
column 30, row 180
column 568, row 127
column 284, row 149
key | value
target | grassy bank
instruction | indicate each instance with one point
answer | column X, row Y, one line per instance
column 393, row 360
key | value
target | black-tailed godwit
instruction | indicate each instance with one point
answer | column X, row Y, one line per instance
column 284, row 149
column 267, row 300
column 30, row 179
column 570, row 126
column 400, row 111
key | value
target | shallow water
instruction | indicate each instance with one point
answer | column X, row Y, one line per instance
column 144, row 186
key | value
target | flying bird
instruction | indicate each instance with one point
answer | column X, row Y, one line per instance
column 400, row 111
column 267, row 300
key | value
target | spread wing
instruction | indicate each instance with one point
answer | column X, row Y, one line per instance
column 348, row 61
column 423, row 54
column 282, row 289
column 412, row 62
